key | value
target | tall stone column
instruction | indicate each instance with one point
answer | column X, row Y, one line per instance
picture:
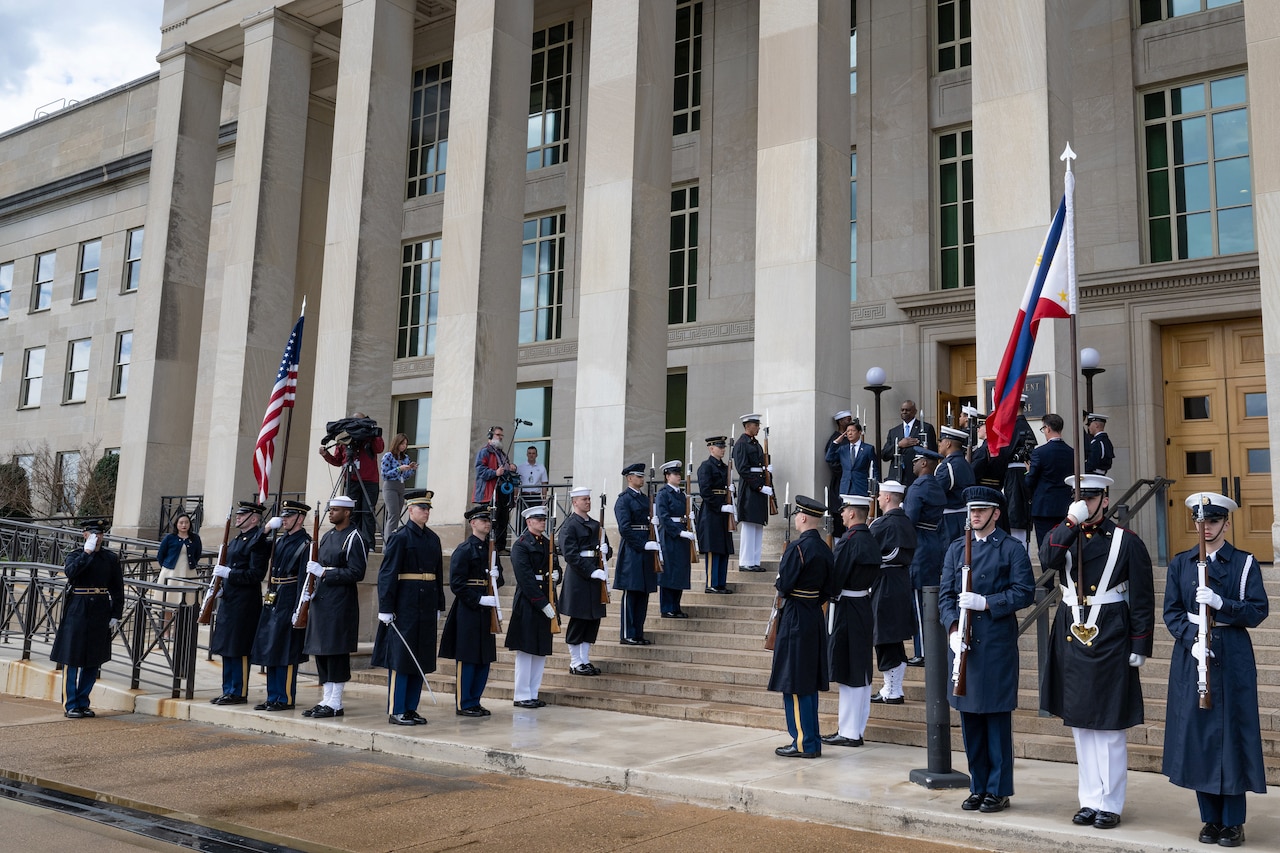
column 626, row 209
column 802, row 367
column 356, row 323
column 155, row 453
column 478, row 320
column 1262, row 35
column 258, row 303
column 1021, row 69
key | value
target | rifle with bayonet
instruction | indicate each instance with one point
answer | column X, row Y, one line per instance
column 1204, row 633
column 302, row 612
column 658, row 563
column 215, row 587
column 495, row 612
column 551, row 564
column 768, row 475
column 960, row 666
column 602, row 563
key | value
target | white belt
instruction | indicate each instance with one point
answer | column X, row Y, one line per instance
column 755, row 470
column 1017, row 465
column 537, row 577
column 854, row 593
column 586, row 553
column 1111, row 596
column 1193, row 618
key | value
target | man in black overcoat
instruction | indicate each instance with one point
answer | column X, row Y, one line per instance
column 92, row 607
column 277, row 644
column 475, row 573
column 851, row 621
column 529, row 634
column 715, row 512
column 242, row 570
column 753, row 493
column 585, row 547
column 333, row 624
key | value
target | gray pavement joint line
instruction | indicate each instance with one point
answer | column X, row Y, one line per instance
column 169, row 828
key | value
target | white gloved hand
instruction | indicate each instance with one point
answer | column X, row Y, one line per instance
column 655, row 520
column 973, row 601
column 91, row 544
column 493, row 573
column 769, row 468
column 114, row 625
column 688, row 534
column 386, row 618
column 1198, row 650
column 548, row 611
column 728, row 507
column 600, row 575
column 652, row 546
column 275, row 523
column 956, row 642
column 314, row 568
column 1078, row 512
column 1136, row 660
column 1204, row 595
column 604, row 550
column 221, row 571
column 488, row 601
column 555, row 576
column 306, row 595
column 766, row 490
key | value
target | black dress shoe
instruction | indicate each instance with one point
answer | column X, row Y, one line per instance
column 1106, row 820
column 669, row 616
column 992, row 804
column 1210, row 833
column 881, row 699
column 279, row 706
column 321, row 712
column 538, row 703
column 1084, row 817
column 401, row 720
column 525, row 703
column 633, row 641
column 418, row 719
column 73, row 714
column 228, row 699
column 680, row 614
column 595, row 670
column 838, row 739
column 261, row 706
column 470, row 712
column 791, row 752
column 484, row 712
column 85, row 712
column 311, row 712
column 918, row 660
column 580, row 669
column 973, row 802
column 1231, row 836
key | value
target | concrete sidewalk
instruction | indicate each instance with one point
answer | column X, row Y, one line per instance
column 720, row 766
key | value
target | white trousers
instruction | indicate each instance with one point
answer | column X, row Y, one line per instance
column 892, row 688
column 528, row 675
column 752, row 537
column 1103, row 759
column 855, row 710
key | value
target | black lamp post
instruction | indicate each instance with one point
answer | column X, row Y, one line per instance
column 875, row 384
column 1089, row 361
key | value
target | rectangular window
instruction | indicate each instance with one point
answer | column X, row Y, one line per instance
column 419, row 299
column 955, row 209
column 67, row 487
column 42, row 286
column 542, row 278
column 853, row 226
column 533, row 404
column 550, row 74
column 853, row 47
column 1158, row 10
column 687, row 104
column 133, row 260
column 953, row 34
column 76, row 388
column 429, row 129
column 6, row 288
column 32, row 378
column 1199, row 187
column 675, row 446
column 682, row 278
column 87, row 278
column 120, row 373
column 413, row 418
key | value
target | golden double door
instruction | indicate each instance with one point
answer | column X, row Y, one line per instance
column 1215, row 399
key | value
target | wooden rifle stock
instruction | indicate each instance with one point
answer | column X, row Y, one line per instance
column 688, row 525
column 960, row 672
column 1203, row 633
column 303, row 611
column 551, row 567
column 771, row 630
column 768, row 475
column 729, row 493
column 600, row 560
column 211, row 598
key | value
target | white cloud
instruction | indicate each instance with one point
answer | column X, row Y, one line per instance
column 72, row 50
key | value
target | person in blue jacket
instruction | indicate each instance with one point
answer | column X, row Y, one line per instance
column 636, row 574
column 854, row 457
column 924, row 504
column 1001, row 583
column 671, row 512
column 1215, row 751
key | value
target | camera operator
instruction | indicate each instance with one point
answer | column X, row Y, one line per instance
column 358, row 439
column 492, row 468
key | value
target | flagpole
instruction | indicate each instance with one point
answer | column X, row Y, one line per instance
column 288, row 430
column 1069, row 184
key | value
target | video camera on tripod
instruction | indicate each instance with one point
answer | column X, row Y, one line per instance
column 509, row 481
column 351, row 432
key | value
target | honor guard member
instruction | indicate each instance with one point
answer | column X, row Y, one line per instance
column 842, row 419
column 1099, row 452
column 333, row 624
column 903, row 442
column 1215, row 751
column 94, row 605
column 753, row 494
column 851, row 621
column 1001, row 583
column 1101, row 635
column 892, row 598
column 925, row 505
column 800, row 666
column 670, row 506
column 410, row 601
column 240, row 601
column 585, row 547
column 278, row 645
column 636, row 574
column 467, row 637
column 955, row 475
column 854, row 457
column 529, row 631
column 715, row 540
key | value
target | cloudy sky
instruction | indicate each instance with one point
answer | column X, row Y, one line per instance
column 72, row 49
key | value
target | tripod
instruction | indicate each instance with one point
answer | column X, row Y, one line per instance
column 348, row 476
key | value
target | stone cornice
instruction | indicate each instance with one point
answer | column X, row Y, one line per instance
column 734, row 331
column 1204, row 275
column 937, row 303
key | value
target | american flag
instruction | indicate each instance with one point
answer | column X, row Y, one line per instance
column 282, row 397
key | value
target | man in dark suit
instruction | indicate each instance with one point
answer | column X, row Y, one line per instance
column 1050, row 465
column 903, row 439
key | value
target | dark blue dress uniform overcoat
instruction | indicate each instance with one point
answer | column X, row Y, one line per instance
column 466, row 637
column 669, row 505
column 410, row 585
column 529, row 629
column 800, row 663
column 277, row 642
column 923, row 504
column 892, row 598
column 333, row 624
column 748, row 460
column 713, row 522
column 580, row 595
column 1002, row 573
column 240, row 603
column 1092, row 686
column 853, row 625
column 635, row 570
column 1217, row 751
column 955, row 475
column 94, row 596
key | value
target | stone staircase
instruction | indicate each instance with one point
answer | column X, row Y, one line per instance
column 712, row 667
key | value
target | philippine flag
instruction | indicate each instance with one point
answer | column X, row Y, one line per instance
column 1051, row 295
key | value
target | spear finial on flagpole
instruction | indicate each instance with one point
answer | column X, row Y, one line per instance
column 1068, row 155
